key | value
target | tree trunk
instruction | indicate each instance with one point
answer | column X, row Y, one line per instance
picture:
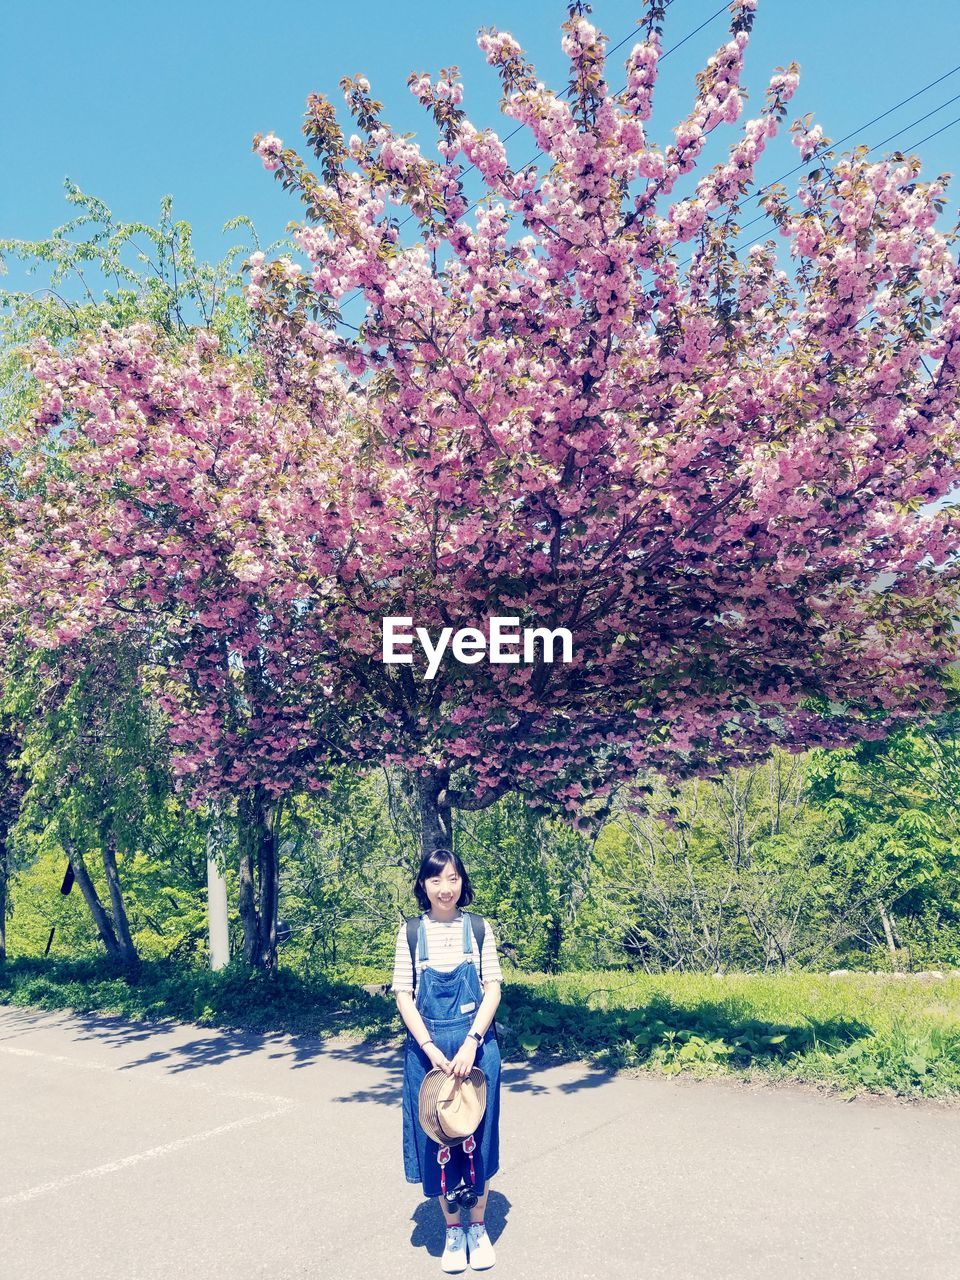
column 121, row 925
column 888, row 932
column 3, row 901
column 247, row 898
column 268, row 866
column 218, row 918
column 554, row 944
column 259, row 867
column 96, row 908
column 436, row 820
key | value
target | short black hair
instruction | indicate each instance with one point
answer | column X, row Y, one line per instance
column 431, row 864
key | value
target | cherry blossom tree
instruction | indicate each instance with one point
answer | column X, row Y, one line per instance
column 586, row 409
column 157, row 503
column 573, row 403
column 60, row 490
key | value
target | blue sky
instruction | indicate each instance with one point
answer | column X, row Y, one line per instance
column 136, row 101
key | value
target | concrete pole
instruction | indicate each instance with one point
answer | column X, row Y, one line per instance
column 216, row 901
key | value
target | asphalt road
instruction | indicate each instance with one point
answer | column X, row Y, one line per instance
column 131, row 1151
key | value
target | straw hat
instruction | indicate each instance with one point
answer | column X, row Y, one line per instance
column 451, row 1109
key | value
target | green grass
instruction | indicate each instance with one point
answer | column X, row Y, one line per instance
column 858, row 1033
column 235, row 997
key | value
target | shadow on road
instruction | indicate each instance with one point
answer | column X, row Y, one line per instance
column 300, row 1023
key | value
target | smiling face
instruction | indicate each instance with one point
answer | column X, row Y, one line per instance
column 443, row 890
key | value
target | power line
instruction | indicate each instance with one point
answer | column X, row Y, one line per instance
column 876, row 146
column 520, row 127
column 942, row 129
column 666, row 54
column 635, row 32
column 859, row 129
column 689, row 36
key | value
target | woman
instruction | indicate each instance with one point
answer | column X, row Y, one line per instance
column 450, row 1025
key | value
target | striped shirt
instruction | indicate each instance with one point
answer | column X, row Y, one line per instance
column 445, row 950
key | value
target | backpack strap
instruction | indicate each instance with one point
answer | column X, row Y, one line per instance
column 479, row 929
column 413, row 926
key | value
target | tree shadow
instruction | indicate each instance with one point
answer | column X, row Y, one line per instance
column 302, row 1023
column 546, row 1029
column 296, row 1021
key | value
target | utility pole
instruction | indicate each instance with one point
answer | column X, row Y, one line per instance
column 217, row 896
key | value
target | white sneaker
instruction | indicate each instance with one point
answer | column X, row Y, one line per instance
column 480, row 1247
column 455, row 1250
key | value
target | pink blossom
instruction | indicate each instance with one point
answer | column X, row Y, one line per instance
column 269, row 149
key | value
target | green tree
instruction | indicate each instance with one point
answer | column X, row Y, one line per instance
column 531, row 873
column 713, row 875
column 346, row 880
column 96, row 271
column 896, row 804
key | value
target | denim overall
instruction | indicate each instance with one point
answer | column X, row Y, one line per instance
column 439, row 999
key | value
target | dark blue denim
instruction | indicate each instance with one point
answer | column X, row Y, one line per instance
column 439, row 997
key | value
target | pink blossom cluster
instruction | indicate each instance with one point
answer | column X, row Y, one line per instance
column 497, row 45
column 581, row 40
column 269, row 149
column 642, row 66
column 808, row 141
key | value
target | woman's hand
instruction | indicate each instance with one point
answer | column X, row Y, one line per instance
column 463, row 1060
column 437, row 1057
